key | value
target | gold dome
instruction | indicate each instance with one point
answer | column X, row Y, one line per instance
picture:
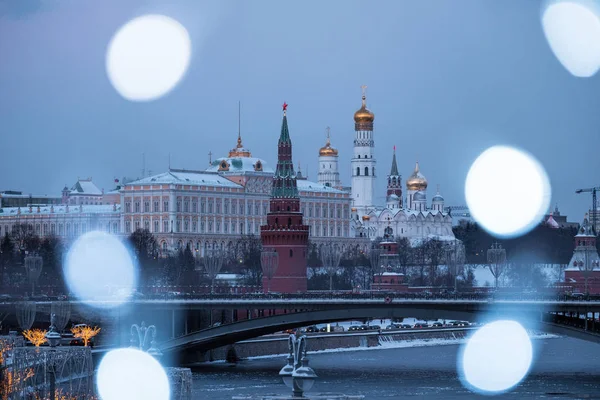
column 353, row 209
column 417, row 180
column 364, row 114
column 366, row 218
column 327, row 150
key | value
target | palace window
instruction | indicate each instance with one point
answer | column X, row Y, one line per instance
column 52, row 229
column 331, row 231
column 256, row 208
column 202, row 206
column 225, row 227
column 186, row 206
column 194, row 207
column 210, row 226
column 155, row 226
column 165, row 226
column 137, row 225
column 147, row 225
column 218, row 227
column 232, row 227
column 265, row 209
column 156, row 207
column 186, row 225
column 165, row 206
column 178, row 205
column 241, row 208
column 45, row 229
column 128, row 207
column 218, row 204
column 37, row 229
column 137, row 206
column 178, row 227
column 210, row 207
column 366, row 171
column 357, row 171
column 339, row 231
column 146, row 206
column 202, row 226
column 241, row 228
column 324, row 230
column 226, row 207
column 194, row 226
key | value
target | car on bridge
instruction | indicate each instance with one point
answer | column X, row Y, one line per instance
column 312, row 329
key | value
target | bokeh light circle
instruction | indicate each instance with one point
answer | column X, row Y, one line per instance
column 99, row 268
column 131, row 374
column 496, row 358
column 572, row 29
column 507, row 191
column 147, row 57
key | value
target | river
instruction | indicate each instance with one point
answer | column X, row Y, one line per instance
column 563, row 368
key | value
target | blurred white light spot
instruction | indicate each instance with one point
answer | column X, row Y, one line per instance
column 131, row 374
column 147, row 57
column 497, row 357
column 573, row 32
column 507, row 191
column 99, row 267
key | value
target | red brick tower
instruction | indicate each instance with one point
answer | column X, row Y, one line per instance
column 285, row 232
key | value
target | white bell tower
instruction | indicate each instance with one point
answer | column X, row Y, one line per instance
column 363, row 160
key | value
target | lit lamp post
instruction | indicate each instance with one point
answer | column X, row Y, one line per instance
column 53, row 339
column 296, row 374
column 496, row 257
column 33, row 266
column 269, row 261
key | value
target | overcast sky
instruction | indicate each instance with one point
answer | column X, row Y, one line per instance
column 446, row 79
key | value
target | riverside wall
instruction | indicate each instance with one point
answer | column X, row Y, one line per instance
column 278, row 344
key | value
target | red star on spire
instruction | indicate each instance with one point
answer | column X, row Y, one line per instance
column 284, row 106
column 394, row 148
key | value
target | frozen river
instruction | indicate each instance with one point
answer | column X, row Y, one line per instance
column 563, row 368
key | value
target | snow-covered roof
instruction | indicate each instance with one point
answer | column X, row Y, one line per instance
column 392, row 274
column 61, row 209
column 238, row 165
column 182, row 177
column 552, row 223
column 26, row 196
column 86, row 187
column 308, row 186
column 395, row 211
column 228, row 277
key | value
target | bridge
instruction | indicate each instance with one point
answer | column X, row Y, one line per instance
column 191, row 319
column 295, row 313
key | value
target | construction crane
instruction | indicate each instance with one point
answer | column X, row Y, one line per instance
column 594, row 204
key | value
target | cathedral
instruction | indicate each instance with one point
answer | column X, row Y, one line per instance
column 404, row 214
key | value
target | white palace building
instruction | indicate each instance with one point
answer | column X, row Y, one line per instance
column 216, row 206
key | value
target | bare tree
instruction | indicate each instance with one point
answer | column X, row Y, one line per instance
column 213, row 261
column 331, row 255
column 496, row 257
column 26, row 314
column 269, row 260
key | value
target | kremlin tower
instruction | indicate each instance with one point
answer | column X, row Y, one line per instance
column 394, row 186
column 363, row 163
column 285, row 232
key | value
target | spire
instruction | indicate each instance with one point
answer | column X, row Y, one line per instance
column 394, row 171
column 239, row 150
column 364, row 95
column 284, row 137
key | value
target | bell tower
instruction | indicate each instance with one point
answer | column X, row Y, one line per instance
column 363, row 161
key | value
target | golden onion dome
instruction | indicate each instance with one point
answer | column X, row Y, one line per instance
column 366, row 218
column 417, row 180
column 327, row 150
column 364, row 114
column 353, row 209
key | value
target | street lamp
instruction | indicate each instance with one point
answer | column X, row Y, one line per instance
column 213, row 261
column 296, row 374
column 33, row 266
column 496, row 257
column 53, row 339
column 142, row 339
column 269, row 261
column 330, row 258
